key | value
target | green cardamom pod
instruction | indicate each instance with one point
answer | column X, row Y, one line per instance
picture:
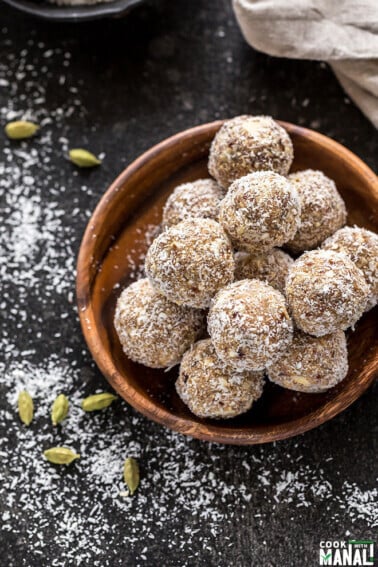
column 98, row 402
column 25, row 407
column 59, row 409
column 83, row 158
column 20, row 129
column 131, row 474
column 60, row 455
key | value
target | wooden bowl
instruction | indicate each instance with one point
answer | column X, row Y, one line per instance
column 110, row 253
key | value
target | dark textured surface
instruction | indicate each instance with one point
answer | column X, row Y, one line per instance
column 167, row 67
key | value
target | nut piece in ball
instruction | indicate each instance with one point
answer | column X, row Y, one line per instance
column 361, row 246
column 260, row 211
column 190, row 262
column 197, row 199
column 212, row 390
column 271, row 268
column 249, row 143
column 152, row 330
column 249, row 325
column 326, row 292
column 312, row 364
column 322, row 209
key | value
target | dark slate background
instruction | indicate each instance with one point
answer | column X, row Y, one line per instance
column 166, row 67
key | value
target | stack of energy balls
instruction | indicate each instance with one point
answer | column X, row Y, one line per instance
column 219, row 258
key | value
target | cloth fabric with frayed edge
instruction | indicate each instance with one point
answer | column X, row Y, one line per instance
column 344, row 33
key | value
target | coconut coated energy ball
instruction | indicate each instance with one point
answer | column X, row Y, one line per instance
column 152, row 330
column 190, row 262
column 212, row 390
column 249, row 325
column 271, row 267
column 312, row 364
column 197, row 199
column 249, row 143
column 260, row 211
column 361, row 246
column 326, row 292
column 322, row 209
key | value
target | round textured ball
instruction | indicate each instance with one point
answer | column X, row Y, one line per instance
column 197, row 199
column 260, row 211
column 326, row 292
column 361, row 246
column 271, row 268
column 322, row 209
column 190, row 262
column 212, row 390
column 152, row 330
column 249, row 325
column 249, row 143
column 312, row 364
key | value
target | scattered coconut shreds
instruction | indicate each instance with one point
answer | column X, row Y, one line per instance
column 188, row 500
column 179, row 480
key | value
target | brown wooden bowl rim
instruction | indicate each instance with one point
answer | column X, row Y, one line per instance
column 204, row 431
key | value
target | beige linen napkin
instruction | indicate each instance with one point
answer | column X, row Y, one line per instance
column 342, row 32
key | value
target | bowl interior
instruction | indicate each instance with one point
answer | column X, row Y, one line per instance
column 111, row 257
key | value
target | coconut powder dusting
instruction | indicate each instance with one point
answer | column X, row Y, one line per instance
column 188, row 500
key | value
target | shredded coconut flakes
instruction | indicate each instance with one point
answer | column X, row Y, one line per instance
column 76, row 514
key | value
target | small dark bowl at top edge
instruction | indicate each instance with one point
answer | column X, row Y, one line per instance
column 51, row 12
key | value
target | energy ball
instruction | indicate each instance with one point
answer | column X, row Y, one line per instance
column 212, row 390
column 312, row 364
column 260, row 211
column 198, row 199
column 152, row 330
column 190, row 262
column 249, row 325
column 322, row 209
column 272, row 267
column 361, row 246
column 249, row 143
column 326, row 292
